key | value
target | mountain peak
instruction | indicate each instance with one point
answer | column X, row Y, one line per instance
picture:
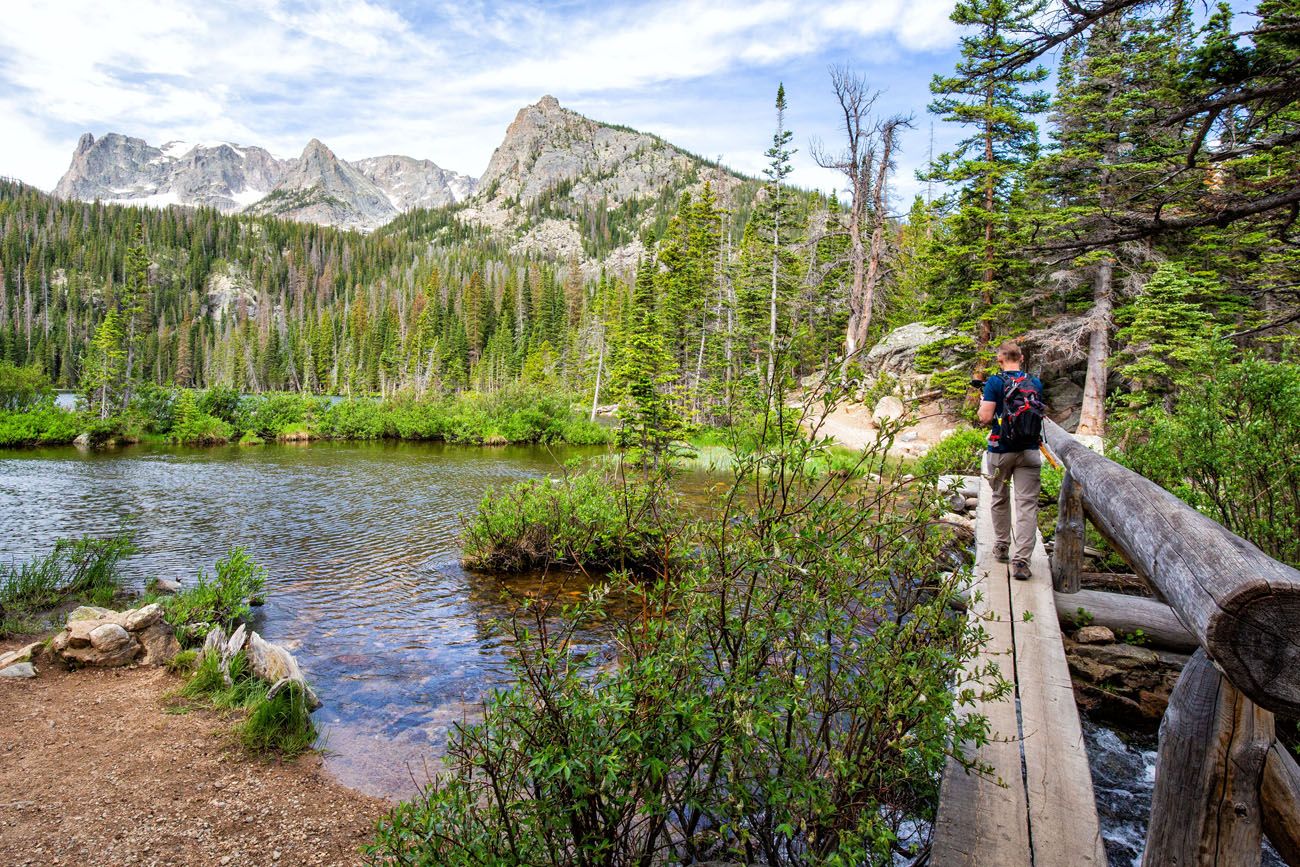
column 549, row 103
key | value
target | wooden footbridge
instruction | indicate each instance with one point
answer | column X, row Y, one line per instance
column 1222, row 780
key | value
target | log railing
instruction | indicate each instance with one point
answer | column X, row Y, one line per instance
column 1222, row 781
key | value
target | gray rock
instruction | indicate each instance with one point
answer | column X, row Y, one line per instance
column 320, row 188
column 89, row 612
column 888, row 408
column 1123, row 656
column 19, row 670
column 412, row 183
column 142, row 618
column 1095, row 635
column 167, row 585
column 895, row 354
column 22, row 654
column 109, row 638
column 159, row 643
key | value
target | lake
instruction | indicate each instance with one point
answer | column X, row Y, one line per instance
column 360, row 540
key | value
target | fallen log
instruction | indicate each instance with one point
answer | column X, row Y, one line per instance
column 1205, row 809
column 1125, row 615
column 1242, row 605
column 1280, row 797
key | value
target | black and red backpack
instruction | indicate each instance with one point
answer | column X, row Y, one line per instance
column 1021, row 425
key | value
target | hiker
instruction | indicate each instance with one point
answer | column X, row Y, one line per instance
column 1012, row 405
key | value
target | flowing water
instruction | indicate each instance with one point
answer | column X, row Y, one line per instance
column 1123, row 777
column 360, row 540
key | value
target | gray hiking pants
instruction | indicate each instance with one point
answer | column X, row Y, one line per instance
column 1018, row 471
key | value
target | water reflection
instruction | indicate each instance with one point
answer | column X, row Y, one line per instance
column 360, row 543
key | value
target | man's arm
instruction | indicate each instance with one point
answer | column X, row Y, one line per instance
column 989, row 401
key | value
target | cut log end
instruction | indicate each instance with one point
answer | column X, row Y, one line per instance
column 1257, row 645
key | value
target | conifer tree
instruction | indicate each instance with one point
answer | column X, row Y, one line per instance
column 1002, row 139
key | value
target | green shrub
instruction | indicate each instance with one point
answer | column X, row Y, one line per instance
column 221, row 402
column 44, row 424
column 23, row 388
column 357, row 420
column 798, row 696
column 593, row 520
column 83, row 569
column 960, row 453
column 280, row 724
column 1051, row 478
column 154, row 406
column 271, row 415
column 223, row 599
column 192, row 425
column 1228, row 447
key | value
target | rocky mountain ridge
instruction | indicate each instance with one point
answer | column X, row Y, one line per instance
column 316, row 187
column 559, row 184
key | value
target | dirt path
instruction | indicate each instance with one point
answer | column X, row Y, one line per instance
column 93, row 771
column 850, row 425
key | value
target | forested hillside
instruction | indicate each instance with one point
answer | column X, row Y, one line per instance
column 1156, row 206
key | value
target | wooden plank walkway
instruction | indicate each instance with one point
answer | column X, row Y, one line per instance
column 1040, row 809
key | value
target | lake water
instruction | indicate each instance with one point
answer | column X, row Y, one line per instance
column 360, row 540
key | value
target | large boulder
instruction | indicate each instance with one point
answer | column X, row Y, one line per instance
column 895, row 354
column 1064, row 400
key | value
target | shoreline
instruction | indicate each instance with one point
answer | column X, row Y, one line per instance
column 96, row 769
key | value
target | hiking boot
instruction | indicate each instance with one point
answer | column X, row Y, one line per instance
column 1001, row 551
column 1020, row 570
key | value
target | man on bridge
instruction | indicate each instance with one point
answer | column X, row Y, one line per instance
column 1012, row 405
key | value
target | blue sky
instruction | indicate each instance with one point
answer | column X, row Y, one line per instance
column 443, row 80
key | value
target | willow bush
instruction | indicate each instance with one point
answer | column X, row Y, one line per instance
column 788, row 694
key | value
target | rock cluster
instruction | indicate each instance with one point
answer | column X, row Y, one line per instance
column 1121, row 683
column 18, row 663
column 103, row 638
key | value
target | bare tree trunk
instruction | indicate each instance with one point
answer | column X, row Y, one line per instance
column 600, row 367
column 776, row 263
column 1092, row 416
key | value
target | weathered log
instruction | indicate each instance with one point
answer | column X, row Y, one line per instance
column 1125, row 615
column 1280, row 798
column 1205, row 809
column 1242, row 605
column 1067, row 544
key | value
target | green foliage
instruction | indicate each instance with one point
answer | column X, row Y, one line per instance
column 44, row 424
column 279, row 724
column 960, row 453
column 84, row 570
column 220, row 600
column 1051, row 477
column 1228, row 446
column 23, row 388
column 192, row 426
column 1082, row 617
column 1168, row 334
column 787, row 688
column 594, row 521
column 1137, row 638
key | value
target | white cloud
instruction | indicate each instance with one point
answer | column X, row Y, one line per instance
column 437, row 82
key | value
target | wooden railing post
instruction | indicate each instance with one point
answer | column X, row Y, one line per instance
column 1067, row 544
column 1280, row 799
column 1214, row 743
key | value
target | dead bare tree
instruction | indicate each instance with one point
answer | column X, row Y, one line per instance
column 867, row 163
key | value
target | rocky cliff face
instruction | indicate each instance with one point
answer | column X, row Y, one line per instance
column 321, row 188
column 411, row 183
column 556, row 168
column 317, row 187
column 119, row 168
column 548, row 145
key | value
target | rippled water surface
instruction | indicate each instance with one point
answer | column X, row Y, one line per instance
column 360, row 542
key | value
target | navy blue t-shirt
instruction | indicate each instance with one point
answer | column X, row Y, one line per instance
column 994, row 387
